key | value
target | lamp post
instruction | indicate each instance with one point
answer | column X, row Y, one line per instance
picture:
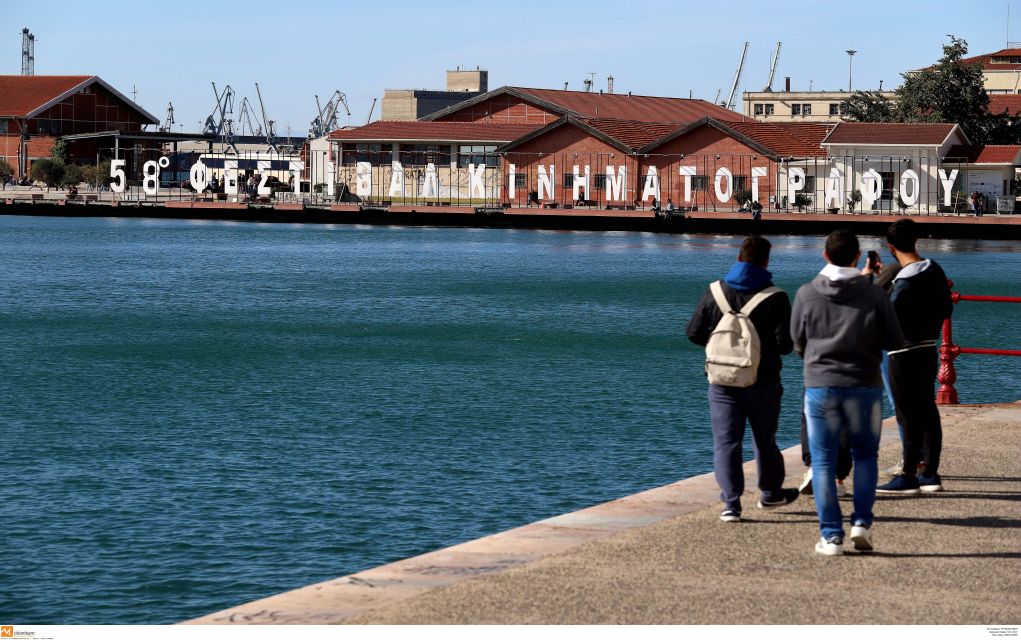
column 850, row 60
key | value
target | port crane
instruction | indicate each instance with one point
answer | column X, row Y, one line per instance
column 772, row 68
column 326, row 118
column 245, row 119
column 371, row 109
column 168, row 120
column 218, row 123
column 732, row 99
column 270, row 131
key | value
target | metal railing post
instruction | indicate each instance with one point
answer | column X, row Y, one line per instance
column 947, row 376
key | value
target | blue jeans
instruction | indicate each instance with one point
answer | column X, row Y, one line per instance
column 829, row 410
column 731, row 408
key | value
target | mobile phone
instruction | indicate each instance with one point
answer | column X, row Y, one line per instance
column 873, row 260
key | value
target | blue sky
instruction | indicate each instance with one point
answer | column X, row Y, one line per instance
column 170, row 51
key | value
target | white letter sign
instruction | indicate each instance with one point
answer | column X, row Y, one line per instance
column 905, row 178
column 476, row 180
column 615, row 182
column 757, row 172
column 547, row 181
column 948, row 184
column 687, row 172
column 651, row 184
column 363, row 180
column 721, row 173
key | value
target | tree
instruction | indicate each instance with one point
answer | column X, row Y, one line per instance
column 6, row 170
column 59, row 151
column 49, row 171
column 870, row 106
column 948, row 91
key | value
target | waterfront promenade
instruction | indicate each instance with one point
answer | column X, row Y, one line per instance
column 318, row 211
column 663, row 557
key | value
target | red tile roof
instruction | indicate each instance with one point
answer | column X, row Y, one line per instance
column 986, row 60
column 786, row 138
column 439, row 131
column 889, row 133
column 631, row 107
column 631, row 133
column 1000, row 102
column 985, row 154
column 21, row 95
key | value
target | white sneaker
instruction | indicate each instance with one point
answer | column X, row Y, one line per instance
column 861, row 538
column 895, row 470
column 730, row 515
column 806, row 483
column 832, row 547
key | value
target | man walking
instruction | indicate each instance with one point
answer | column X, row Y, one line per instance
column 921, row 299
column 747, row 289
column 840, row 324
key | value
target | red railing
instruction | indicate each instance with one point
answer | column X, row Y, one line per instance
column 947, row 394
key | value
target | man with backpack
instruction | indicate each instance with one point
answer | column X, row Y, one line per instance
column 841, row 324
column 743, row 321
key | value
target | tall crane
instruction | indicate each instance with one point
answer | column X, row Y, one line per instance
column 216, row 121
column 326, row 118
column 772, row 68
column 371, row 109
column 168, row 121
column 732, row 99
column 245, row 119
column 270, row 132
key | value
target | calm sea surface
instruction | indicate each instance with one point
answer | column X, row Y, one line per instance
column 193, row 415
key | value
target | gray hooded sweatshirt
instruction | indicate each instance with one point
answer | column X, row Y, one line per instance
column 841, row 327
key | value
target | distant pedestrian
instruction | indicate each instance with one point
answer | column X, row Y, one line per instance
column 921, row 299
column 840, row 325
column 752, row 394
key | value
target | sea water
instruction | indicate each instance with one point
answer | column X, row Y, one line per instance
column 198, row 414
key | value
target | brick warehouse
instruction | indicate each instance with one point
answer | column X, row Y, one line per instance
column 36, row 110
column 569, row 149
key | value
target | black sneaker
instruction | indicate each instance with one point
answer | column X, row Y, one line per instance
column 930, row 483
column 900, row 485
column 786, row 497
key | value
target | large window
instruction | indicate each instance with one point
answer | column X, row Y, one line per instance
column 740, row 183
column 806, row 109
column 699, row 183
column 764, row 109
column 599, row 181
column 3, row 125
column 367, row 152
column 477, row 154
column 419, row 155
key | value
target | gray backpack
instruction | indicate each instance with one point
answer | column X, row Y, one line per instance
column 733, row 351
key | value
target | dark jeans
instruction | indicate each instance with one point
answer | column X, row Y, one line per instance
column 913, row 382
column 844, row 462
column 730, row 408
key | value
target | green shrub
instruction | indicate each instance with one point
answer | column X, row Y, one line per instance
column 49, row 171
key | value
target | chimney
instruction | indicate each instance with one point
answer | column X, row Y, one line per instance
column 787, row 84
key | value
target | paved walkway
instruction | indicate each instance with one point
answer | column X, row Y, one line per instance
column 662, row 556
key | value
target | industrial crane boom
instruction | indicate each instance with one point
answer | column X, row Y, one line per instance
column 731, row 100
column 772, row 68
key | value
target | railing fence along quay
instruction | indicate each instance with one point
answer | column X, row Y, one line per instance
column 948, row 351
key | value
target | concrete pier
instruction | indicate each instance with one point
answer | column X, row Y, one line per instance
column 999, row 227
column 663, row 557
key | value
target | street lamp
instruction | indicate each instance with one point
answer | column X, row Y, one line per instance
column 850, row 60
